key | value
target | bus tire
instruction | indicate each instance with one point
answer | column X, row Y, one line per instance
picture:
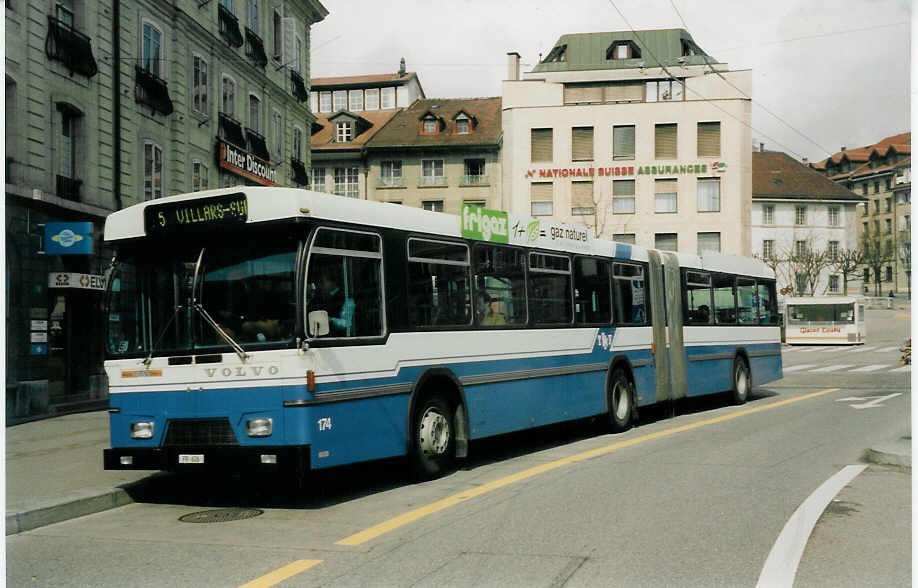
column 621, row 401
column 741, row 380
column 434, row 438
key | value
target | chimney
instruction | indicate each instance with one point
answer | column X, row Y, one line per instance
column 401, row 67
column 513, row 66
column 843, row 148
column 761, row 147
column 806, row 161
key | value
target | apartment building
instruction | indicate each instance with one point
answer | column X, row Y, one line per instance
column 797, row 215
column 881, row 173
column 640, row 135
column 112, row 104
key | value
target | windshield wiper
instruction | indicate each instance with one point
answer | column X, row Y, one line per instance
column 206, row 316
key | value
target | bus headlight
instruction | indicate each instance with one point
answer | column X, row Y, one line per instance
column 142, row 430
column 260, row 427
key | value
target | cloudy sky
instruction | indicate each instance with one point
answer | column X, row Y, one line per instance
column 826, row 73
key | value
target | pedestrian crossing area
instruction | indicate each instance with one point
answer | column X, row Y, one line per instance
column 845, row 359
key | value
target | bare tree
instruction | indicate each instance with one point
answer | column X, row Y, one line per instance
column 846, row 262
column 905, row 258
column 874, row 259
column 805, row 264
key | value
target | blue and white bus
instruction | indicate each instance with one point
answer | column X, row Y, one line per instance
column 286, row 330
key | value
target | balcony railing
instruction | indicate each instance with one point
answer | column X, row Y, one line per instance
column 474, row 180
column 299, row 172
column 255, row 48
column 68, row 188
column 231, row 130
column 299, row 86
column 229, row 27
column 432, row 181
column 390, row 182
column 149, row 89
column 70, row 47
column 257, row 144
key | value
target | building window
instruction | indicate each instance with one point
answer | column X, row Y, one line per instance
column 622, row 196
column 388, row 98
column 708, row 194
column 198, row 175
column 624, row 238
column 833, row 284
column 889, row 204
column 65, row 12
column 298, row 143
column 708, row 242
column 253, row 16
column 832, row 250
column 623, row 50
column 888, row 226
column 768, row 214
column 666, row 241
column 623, row 142
column 664, row 91
column 864, row 188
column 339, row 97
column 582, row 199
column 541, row 145
column 254, row 113
column 342, row 132
column 228, row 104
column 557, row 54
column 278, row 132
column 582, row 144
column 432, row 172
column 346, row 182
column 355, row 100
column 866, row 275
column 876, row 187
column 462, row 125
column 876, row 206
column 372, row 99
column 318, row 179
column 541, row 198
column 68, row 136
column 768, row 248
column 298, row 54
column 665, row 196
column 709, row 139
column 152, row 171
column 278, row 36
column 430, row 126
column 665, row 141
column 474, row 172
column 800, row 215
column 391, row 174
column 833, row 216
column 800, row 248
column 325, row 102
column 889, row 273
column 152, row 49
column 432, row 205
column 478, row 203
column 199, row 86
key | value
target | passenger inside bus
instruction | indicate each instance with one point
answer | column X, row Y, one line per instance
column 330, row 298
column 492, row 313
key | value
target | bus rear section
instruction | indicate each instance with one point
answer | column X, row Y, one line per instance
column 824, row 320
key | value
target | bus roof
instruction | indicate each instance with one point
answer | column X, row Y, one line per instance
column 275, row 203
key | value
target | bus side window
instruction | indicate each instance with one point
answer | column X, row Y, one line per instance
column 500, row 285
column 550, row 288
column 768, row 314
column 698, row 298
column 438, row 283
column 628, row 290
column 724, row 300
column 592, row 296
column 747, row 313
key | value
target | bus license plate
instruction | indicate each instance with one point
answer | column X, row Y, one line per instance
column 191, row 458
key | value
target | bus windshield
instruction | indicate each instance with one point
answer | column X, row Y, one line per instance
column 821, row 313
column 247, row 285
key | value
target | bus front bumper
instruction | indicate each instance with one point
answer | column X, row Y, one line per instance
column 285, row 459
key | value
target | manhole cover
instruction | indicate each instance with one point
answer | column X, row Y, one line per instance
column 221, row 515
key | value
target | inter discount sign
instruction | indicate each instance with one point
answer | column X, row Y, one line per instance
column 246, row 165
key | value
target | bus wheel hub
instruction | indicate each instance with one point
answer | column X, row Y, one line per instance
column 434, row 433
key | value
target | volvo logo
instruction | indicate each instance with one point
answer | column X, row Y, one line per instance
column 242, row 371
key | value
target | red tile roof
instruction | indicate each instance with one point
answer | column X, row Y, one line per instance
column 324, row 139
column 902, row 143
column 372, row 80
column 404, row 130
column 778, row 175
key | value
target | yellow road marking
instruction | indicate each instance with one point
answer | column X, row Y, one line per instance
column 419, row 513
column 281, row 574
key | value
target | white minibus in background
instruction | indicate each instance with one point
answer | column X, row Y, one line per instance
column 835, row 320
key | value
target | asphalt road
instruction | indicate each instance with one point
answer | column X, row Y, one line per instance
column 698, row 499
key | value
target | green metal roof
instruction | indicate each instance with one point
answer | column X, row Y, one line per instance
column 588, row 51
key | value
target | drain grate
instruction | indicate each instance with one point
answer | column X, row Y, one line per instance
column 220, row 515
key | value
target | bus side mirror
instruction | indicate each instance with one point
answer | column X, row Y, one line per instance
column 318, row 323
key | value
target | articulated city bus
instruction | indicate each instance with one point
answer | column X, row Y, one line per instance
column 278, row 329
column 835, row 320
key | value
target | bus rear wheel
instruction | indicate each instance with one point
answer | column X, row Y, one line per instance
column 434, row 438
column 741, row 381
column 621, row 401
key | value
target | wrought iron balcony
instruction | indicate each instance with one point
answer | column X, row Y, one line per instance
column 152, row 91
column 474, row 180
column 432, row 181
column 299, row 86
column 255, row 48
column 390, row 182
column 231, row 130
column 70, row 47
column 229, row 27
column 68, row 188
column 299, row 172
column 257, row 144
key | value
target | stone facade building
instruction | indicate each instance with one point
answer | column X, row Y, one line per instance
column 112, row 104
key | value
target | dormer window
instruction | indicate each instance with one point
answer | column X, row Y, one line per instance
column 689, row 48
column 430, row 127
column 343, row 132
column 464, row 123
column 558, row 54
column 623, row 50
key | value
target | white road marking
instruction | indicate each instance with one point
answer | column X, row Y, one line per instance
column 871, row 368
column 781, row 566
column 802, row 366
column 805, row 349
column 832, row 368
column 832, row 350
column 885, row 349
column 875, row 403
column 859, row 349
column 905, row 368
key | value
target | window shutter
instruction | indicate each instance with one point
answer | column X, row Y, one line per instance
column 541, row 192
column 542, row 145
column 582, row 143
column 623, row 188
column 665, row 141
column 623, row 142
column 623, row 92
column 582, row 195
column 289, row 31
column 575, row 94
column 665, row 187
column 709, row 139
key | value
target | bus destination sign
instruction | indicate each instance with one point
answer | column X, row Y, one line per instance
column 219, row 211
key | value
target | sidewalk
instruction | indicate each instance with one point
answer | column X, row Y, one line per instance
column 54, row 471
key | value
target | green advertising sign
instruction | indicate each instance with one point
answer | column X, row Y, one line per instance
column 484, row 224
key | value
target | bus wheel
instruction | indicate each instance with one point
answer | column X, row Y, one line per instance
column 741, row 380
column 621, row 405
column 434, row 438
